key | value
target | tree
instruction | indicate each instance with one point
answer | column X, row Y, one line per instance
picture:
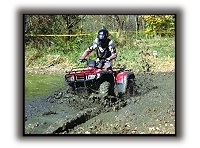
column 71, row 22
column 159, row 24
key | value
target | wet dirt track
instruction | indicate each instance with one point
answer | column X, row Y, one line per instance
column 151, row 112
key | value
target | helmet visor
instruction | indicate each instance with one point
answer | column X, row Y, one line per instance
column 101, row 36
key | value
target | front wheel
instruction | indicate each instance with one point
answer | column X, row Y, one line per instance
column 104, row 89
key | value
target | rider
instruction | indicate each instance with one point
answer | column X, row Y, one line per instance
column 105, row 50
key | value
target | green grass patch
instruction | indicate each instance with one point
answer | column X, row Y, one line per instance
column 165, row 46
column 139, row 53
column 128, row 50
column 37, row 85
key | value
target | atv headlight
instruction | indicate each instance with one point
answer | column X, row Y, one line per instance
column 70, row 78
column 98, row 75
column 91, row 77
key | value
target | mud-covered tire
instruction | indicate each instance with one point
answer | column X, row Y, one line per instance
column 69, row 89
column 131, row 89
column 104, row 89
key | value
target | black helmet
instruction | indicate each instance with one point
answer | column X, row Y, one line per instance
column 102, row 34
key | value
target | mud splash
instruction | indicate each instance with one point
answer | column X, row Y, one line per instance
column 62, row 111
column 66, row 113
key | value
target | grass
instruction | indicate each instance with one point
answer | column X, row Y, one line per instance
column 37, row 85
column 128, row 51
column 128, row 55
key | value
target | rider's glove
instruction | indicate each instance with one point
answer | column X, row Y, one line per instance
column 107, row 59
column 81, row 60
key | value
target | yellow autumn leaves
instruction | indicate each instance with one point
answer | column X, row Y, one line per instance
column 159, row 23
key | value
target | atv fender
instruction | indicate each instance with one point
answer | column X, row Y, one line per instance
column 105, row 76
column 122, row 80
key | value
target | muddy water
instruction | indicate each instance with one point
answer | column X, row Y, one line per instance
column 42, row 113
column 152, row 111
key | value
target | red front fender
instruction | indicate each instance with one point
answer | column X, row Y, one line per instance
column 121, row 80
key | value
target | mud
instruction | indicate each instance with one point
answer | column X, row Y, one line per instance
column 152, row 111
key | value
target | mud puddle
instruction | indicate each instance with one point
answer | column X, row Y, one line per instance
column 153, row 111
column 61, row 112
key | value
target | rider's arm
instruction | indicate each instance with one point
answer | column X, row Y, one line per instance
column 86, row 53
column 89, row 50
column 112, row 50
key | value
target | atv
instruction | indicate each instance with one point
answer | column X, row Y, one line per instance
column 118, row 82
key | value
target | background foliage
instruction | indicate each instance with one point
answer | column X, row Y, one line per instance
column 160, row 24
column 48, row 37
